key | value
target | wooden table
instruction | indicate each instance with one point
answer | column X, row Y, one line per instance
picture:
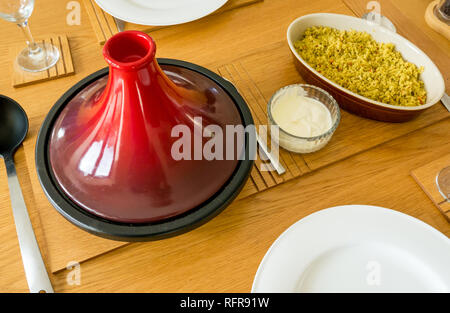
column 223, row 255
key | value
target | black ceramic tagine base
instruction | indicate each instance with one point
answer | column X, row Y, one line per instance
column 140, row 231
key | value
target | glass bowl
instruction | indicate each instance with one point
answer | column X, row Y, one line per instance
column 306, row 144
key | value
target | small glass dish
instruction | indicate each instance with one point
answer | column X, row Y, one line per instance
column 306, row 144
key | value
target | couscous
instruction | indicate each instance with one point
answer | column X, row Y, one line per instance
column 355, row 61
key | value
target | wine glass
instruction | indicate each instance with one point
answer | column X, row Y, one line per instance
column 443, row 182
column 37, row 56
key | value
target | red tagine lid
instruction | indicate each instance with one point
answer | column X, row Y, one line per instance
column 133, row 146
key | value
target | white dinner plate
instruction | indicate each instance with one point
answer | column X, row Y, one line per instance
column 356, row 248
column 159, row 12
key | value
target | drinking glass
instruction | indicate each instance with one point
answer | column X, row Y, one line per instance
column 36, row 56
column 443, row 182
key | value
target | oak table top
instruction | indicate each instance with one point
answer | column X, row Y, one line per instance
column 222, row 255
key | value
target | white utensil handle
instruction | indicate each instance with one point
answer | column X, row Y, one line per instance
column 35, row 272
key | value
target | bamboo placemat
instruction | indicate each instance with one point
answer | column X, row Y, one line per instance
column 105, row 27
column 354, row 135
column 63, row 67
column 263, row 175
column 425, row 176
column 273, row 68
column 257, row 76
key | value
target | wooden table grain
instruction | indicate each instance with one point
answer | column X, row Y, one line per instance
column 223, row 255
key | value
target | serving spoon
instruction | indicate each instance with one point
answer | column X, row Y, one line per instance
column 13, row 130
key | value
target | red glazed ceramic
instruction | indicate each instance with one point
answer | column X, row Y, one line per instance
column 111, row 147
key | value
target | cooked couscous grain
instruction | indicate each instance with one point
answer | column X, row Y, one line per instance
column 357, row 62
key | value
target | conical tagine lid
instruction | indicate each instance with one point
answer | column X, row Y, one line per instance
column 136, row 146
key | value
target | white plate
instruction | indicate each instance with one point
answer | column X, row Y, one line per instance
column 159, row 12
column 356, row 248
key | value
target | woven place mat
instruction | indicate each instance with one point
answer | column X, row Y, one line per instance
column 105, row 27
column 257, row 76
column 256, row 80
column 425, row 176
column 63, row 67
column 262, row 176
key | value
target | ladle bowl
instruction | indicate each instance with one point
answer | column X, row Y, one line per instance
column 13, row 130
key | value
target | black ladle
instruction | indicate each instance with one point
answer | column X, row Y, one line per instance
column 13, row 130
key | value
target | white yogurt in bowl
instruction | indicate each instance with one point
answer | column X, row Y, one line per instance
column 300, row 115
column 306, row 115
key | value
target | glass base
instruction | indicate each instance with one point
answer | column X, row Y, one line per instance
column 443, row 182
column 45, row 57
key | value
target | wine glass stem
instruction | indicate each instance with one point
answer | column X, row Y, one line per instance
column 32, row 46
